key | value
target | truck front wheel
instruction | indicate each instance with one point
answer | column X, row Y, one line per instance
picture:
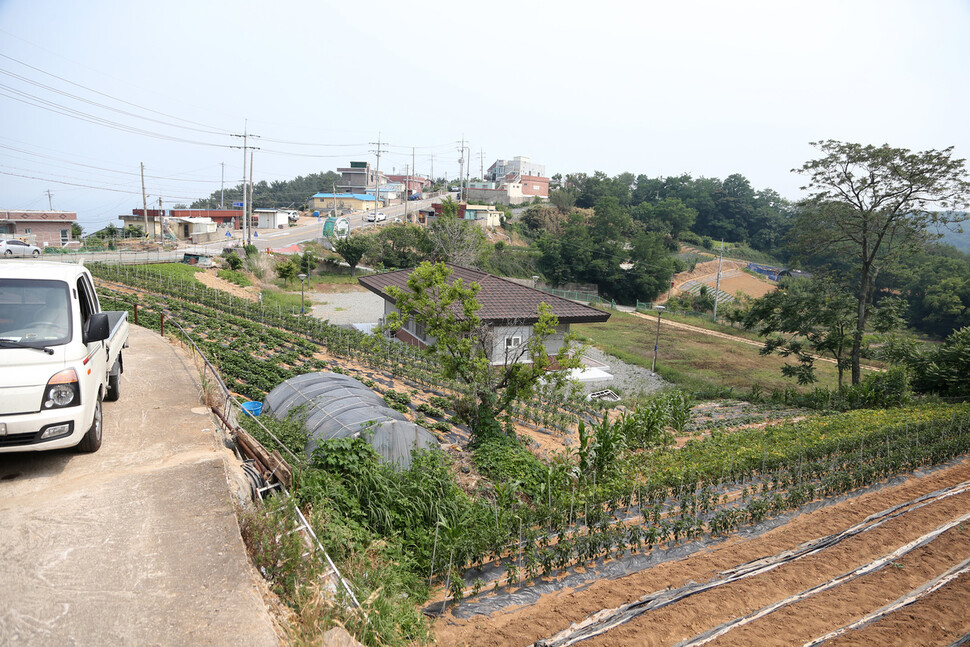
column 92, row 440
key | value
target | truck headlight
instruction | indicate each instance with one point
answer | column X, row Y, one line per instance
column 62, row 390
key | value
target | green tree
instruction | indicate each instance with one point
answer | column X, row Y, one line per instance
column 874, row 204
column 308, row 262
column 233, row 261
column 453, row 239
column 352, row 249
column 76, row 231
column 805, row 318
column 490, row 378
column 287, row 270
column 669, row 216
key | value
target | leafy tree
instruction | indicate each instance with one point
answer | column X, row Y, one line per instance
column 944, row 369
column 352, row 249
column 76, row 231
column 670, row 216
column 465, row 346
column 308, row 261
column 873, row 204
column 563, row 199
column 400, row 246
column 287, row 270
column 804, row 318
column 453, row 239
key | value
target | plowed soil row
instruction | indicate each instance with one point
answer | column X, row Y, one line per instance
column 933, row 620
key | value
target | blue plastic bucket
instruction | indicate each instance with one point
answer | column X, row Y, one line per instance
column 252, row 408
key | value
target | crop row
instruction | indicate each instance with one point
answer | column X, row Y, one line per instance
column 242, row 326
column 673, row 497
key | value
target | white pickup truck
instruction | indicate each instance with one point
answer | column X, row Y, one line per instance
column 60, row 356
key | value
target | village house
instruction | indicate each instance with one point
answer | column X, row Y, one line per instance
column 41, row 228
column 509, row 310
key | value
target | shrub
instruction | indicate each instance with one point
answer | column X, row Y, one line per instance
column 233, row 261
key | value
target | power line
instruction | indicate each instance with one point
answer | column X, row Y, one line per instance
column 108, row 96
column 50, row 106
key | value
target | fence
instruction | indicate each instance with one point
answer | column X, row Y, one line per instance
column 585, row 297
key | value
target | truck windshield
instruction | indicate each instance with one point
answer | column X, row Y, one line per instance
column 34, row 312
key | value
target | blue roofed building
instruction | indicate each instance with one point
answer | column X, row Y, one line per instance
column 342, row 202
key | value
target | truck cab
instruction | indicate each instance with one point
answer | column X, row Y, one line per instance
column 60, row 357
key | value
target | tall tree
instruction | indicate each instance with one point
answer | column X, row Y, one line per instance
column 453, row 239
column 804, row 318
column 464, row 346
column 875, row 203
column 352, row 249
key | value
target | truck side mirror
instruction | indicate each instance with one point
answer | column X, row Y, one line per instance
column 96, row 329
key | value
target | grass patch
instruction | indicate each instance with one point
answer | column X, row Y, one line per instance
column 708, row 366
column 173, row 271
column 283, row 301
column 233, row 276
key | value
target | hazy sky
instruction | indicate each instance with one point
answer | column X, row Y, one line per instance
column 89, row 90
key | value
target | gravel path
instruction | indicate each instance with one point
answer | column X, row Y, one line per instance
column 342, row 308
column 628, row 380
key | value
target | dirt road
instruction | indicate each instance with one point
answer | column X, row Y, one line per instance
column 138, row 543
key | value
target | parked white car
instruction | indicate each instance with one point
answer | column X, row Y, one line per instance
column 14, row 247
column 381, row 217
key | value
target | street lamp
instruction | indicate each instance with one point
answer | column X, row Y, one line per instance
column 656, row 343
column 302, row 278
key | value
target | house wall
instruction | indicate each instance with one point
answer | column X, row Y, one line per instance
column 500, row 334
column 154, row 228
column 41, row 228
column 272, row 219
column 349, row 202
column 534, row 185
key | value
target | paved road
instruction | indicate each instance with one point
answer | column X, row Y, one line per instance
column 136, row 544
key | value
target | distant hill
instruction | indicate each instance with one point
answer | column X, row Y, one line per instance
column 960, row 240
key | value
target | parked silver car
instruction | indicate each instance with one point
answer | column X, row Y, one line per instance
column 14, row 247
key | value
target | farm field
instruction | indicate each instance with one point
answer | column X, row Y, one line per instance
column 703, row 362
column 616, row 520
column 937, row 618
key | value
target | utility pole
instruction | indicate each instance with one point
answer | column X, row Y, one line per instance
column 50, row 199
column 481, row 164
column 144, row 198
column 717, row 281
column 377, row 175
column 432, row 168
column 249, row 240
column 407, row 187
column 222, row 189
column 245, row 147
column 461, row 166
column 161, row 232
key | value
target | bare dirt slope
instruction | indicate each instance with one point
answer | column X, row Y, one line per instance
column 733, row 279
column 937, row 618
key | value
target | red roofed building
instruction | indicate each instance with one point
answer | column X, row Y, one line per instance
column 508, row 308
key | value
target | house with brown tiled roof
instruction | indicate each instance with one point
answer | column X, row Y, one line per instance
column 508, row 309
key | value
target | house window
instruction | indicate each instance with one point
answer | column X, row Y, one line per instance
column 512, row 342
column 26, row 230
column 65, row 236
column 419, row 330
